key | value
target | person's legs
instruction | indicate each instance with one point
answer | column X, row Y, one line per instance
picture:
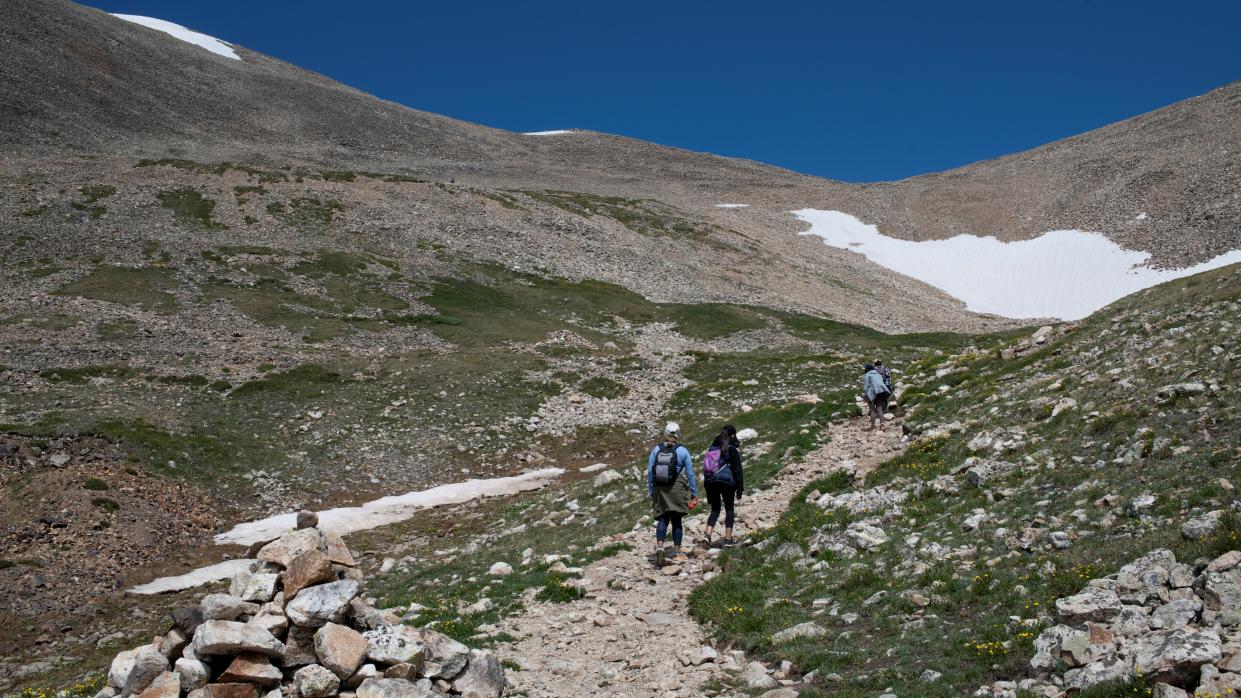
column 873, row 410
column 713, row 499
column 677, row 532
column 661, row 534
column 729, row 513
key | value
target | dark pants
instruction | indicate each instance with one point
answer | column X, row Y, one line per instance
column 661, row 528
column 717, row 494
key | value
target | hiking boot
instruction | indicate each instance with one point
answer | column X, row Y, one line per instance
column 661, row 558
column 728, row 543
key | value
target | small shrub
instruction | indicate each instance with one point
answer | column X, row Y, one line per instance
column 105, row 503
column 94, row 484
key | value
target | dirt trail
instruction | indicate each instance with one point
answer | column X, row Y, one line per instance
column 632, row 634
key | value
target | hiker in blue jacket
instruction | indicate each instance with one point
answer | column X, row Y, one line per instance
column 876, row 394
column 673, row 489
column 724, row 480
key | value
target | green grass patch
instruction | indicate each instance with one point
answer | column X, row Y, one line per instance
column 107, row 504
column 307, row 379
column 81, row 374
column 95, row 485
column 305, row 212
column 149, row 288
column 189, row 206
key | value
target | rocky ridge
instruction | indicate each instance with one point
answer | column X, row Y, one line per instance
column 297, row 625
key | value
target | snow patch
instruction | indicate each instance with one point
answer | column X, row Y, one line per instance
column 732, row 205
column 593, row 468
column 549, row 133
column 1142, row 216
column 387, row 510
column 198, row 577
column 210, row 43
column 1066, row 274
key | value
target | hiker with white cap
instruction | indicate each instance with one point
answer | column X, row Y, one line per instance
column 673, row 489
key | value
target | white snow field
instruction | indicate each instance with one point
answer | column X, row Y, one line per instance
column 343, row 520
column 549, row 133
column 210, row 43
column 732, row 205
column 1065, row 274
column 194, row 578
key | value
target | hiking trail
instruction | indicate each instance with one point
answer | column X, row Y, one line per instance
column 605, row 643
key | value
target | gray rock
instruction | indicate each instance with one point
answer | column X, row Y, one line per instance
column 282, row 550
column 340, row 649
column 307, row 519
column 225, row 607
column 865, row 536
column 216, row 637
column 1059, row 540
column 1176, row 614
column 394, row 644
column 148, row 663
column 445, row 657
column 1222, row 590
column 326, row 603
column 756, row 676
column 1169, row 393
column 193, row 673
column 1102, row 671
column 1091, row 605
column 260, row 588
column 1200, row 527
column 1174, row 656
column 807, row 630
column 122, row 663
column 393, row 688
column 313, row 681
column 483, row 677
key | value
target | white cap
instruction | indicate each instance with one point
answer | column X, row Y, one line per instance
column 673, row 428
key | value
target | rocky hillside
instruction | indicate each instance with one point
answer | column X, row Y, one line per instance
column 1033, row 471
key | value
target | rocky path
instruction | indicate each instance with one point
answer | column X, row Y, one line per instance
column 632, row 634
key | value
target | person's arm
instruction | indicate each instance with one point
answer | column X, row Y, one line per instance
column 650, row 471
column 738, row 475
column 688, row 461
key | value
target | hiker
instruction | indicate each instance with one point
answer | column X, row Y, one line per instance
column 876, row 394
column 724, row 480
column 673, row 490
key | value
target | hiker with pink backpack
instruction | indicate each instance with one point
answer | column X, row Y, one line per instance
column 724, row 482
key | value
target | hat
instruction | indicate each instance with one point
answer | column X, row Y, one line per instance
column 673, row 428
column 869, row 367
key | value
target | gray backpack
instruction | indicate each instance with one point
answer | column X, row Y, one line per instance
column 667, row 466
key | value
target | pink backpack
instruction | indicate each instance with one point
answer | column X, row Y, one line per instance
column 711, row 462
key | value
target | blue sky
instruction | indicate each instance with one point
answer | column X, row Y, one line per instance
column 858, row 91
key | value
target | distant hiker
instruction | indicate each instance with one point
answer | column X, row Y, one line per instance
column 876, row 394
column 724, row 480
column 673, row 490
column 886, row 374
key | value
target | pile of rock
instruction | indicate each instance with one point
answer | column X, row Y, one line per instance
column 295, row 626
column 1174, row 625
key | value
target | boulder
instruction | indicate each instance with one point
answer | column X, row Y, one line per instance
column 1174, row 656
column 756, row 676
column 313, row 681
column 340, row 649
column 282, row 550
column 173, row 642
column 216, row 637
column 225, row 607
column 230, row 690
column 272, row 623
column 801, row 630
column 1145, row 578
column 394, row 644
column 500, row 569
column 307, row 519
column 865, row 536
column 1222, row 590
column 122, row 664
column 166, row 685
column 1097, row 605
column 364, row 672
column 1163, row 690
column 606, row 477
column 1102, row 671
column 249, row 667
column 483, row 677
column 307, row 569
column 445, row 657
column 1200, row 527
column 985, row 471
column 337, row 551
column 194, row 674
column 148, row 663
column 261, row 588
column 392, row 688
column 187, row 619
column 1176, row 614
column 321, row 604
column 299, row 648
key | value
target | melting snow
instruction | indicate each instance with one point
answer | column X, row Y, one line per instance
column 200, row 576
column 593, row 468
column 732, row 205
column 1066, row 274
column 210, row 43
column 388, row 510
column 549, row 133
column 379, row 512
